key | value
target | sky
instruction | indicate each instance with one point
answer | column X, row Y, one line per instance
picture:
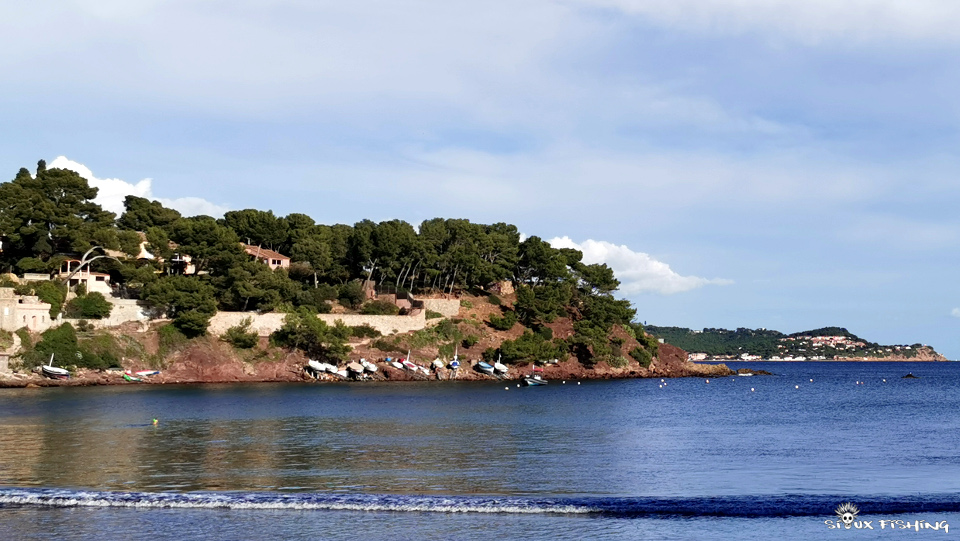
column 739, row 163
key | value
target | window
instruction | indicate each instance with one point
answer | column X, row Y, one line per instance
column 100, row 278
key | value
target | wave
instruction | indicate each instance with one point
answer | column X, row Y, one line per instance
column 721, row 506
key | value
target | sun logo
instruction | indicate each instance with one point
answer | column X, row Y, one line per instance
column 847, row 513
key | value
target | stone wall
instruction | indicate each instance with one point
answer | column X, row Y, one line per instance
column 445, row 307
column 264, row 324
column 124, row 311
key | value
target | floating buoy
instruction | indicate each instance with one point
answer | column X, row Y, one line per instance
column 506, row 388
column 884, row 381
column 708, row 381
column 518, row 385
column 811, row 380
column 796, row 386
column 751, row 389
column 578, row 383
column 661, row 386
column 661, row 381
column 564, row 382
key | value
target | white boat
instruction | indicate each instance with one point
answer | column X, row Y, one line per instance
column 485, row 368
column 368, row 366
column 437, row 363
column 356, row 368
column 142, row 373
column 396, row 365
column 51, row 371
column 410, row 366
column 316, row 366
column 499, row 367
column 534, row 380
column 342, row 373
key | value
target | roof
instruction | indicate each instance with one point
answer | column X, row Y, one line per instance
column 263, row 253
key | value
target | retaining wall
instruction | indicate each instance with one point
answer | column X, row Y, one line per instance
column 445, row 307
column 264, row 324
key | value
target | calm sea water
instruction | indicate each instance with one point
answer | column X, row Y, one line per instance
column 735, row 458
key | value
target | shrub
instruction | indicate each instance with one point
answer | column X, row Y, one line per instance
column 240, row 336
column 91, row 306
column 531, row 347
column 50, row 292
column 84, row 326
column 494, row 300
column 433, row 315
column 445, row 331
column 470, row 341
column 61, row 342
column 380, row 308
column 170, row 339
column 6, row 339
column 545, row 332
column 504, row 323
column 642, row 356
column 386, row 345
column 351, row 294
column 466, row 304
column 618, row 361
column 302, row 330
column 364, row 331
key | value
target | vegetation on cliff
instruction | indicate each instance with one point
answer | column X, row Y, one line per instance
column 51, row 216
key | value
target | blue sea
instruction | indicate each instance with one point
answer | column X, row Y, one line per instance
column 753, row 458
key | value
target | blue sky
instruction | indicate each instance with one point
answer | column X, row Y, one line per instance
column 758, row 163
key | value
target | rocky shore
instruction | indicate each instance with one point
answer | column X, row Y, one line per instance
column 214, row 362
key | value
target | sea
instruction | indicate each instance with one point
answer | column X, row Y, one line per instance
column 762, row 457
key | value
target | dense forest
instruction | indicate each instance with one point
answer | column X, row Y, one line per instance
column 769, row 343
column 51, row 216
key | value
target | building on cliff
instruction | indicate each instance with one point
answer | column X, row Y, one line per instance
column 17, row 311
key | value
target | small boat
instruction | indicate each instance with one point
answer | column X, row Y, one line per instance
column 142, row 373
column 356, row 368
column 129, row 377
column 499, row 367
column 54, row 372
column 437, row 363
column 368, row 366
column 485, row 368
column 316, row 366
column 534, row 380
column 454, row 364
column 410, row 366
column 342, row 373
column 396, row 365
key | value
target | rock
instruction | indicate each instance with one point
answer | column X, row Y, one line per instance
column 910, row 376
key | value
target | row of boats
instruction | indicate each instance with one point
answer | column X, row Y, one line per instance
column 364, row 368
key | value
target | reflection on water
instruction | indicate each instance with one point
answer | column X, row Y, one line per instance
column 620, row 438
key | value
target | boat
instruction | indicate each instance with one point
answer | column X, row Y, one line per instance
column 54, row 372
column 316, row 366
column 485, row 368
column 437, row 363
column 455, row 363
column 130, row 377
column 356, row 368
column 342, row 373
column 142, row 373
column 534, row 380
column 396, row 365
column 368, row 366
column 410, row 366
column 500, row 367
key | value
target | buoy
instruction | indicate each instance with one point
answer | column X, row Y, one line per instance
column 564, row 382
column 884, row 381
column 708, row 381
column 751, row 389
column 518, row 385
column 661, row 386
column 811, row 380
column 661, row 381
column 506, row 388
column 796, row 386
column 578, row 383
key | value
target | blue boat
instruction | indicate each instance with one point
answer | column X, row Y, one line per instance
column 485, row 368
column 534, row 380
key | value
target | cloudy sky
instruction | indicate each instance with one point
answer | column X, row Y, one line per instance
column 786, row 164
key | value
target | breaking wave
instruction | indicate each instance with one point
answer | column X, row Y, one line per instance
column 723, row 506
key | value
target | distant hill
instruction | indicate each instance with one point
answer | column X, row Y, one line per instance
column 827, row 343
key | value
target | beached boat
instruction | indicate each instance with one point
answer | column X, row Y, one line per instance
column 437, row 363
column 130, row 377
column 368, row 366
column 499, row 367
column 410, row 366
column 485, row 368
column 396, row 365
column 54, row 372
column 143, row 373
column 342, row 373
column 316, row 366
column 356, row 368
column 455, row 363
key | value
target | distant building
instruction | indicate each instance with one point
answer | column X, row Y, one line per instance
column 275, row 260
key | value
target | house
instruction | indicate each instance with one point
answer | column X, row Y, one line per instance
column 93, row 281
column 17, row 311
column 275, row 260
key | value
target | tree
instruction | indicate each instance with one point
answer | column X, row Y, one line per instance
column 212, row 246
column 257, row 227
column 189, row 301
column 302, row 330
column 142, row 214
column 90, row 306
column 52, row 213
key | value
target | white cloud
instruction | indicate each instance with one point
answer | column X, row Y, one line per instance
column 955, row 312
column 810, row 21
column 637, row 271
column 112, row 192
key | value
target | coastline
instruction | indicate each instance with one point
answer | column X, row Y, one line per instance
column 211, row 363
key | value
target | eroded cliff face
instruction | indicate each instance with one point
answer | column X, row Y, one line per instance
column 924, row 354
column 210, row 361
